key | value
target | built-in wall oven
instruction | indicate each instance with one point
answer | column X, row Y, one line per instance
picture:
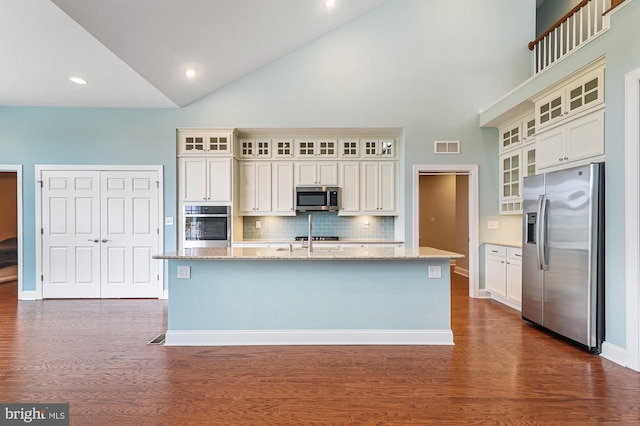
column 206, row 226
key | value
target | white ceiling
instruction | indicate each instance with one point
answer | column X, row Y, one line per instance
column 134, row 53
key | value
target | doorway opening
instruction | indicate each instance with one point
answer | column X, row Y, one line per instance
column 11, row 226
column 446, row 214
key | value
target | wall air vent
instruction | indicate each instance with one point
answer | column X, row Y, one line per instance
column 446, row 147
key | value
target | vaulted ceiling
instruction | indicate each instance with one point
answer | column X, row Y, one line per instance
column 134, row 53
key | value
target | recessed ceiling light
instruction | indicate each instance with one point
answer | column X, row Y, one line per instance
column 190, row 73
column 78, row 80
column 329, row 3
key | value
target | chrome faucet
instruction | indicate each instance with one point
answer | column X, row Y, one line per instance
column 310, row 237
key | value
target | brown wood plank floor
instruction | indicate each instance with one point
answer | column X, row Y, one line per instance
column 94, row 355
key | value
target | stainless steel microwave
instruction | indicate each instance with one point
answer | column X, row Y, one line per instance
column 314, row 198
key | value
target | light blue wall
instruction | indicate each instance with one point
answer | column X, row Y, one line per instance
column 421, row 66
column 621, row 46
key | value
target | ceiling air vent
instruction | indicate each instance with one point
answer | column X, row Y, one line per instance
column 446, row 147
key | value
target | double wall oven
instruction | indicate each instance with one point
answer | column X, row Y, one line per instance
column 206, row 226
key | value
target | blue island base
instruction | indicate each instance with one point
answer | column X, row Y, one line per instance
column 309, row 302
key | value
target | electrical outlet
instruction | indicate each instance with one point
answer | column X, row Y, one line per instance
column 258, row 224
column 168, row 221
column 435, row 271
column 184, row 271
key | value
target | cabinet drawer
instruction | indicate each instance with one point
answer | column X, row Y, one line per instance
column 495, row 250
column 514, row 252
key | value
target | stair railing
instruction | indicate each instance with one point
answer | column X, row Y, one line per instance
column 583, row 23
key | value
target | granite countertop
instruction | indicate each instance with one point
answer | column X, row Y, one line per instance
column 338, row 242
column 516, row 244
column 319, row 253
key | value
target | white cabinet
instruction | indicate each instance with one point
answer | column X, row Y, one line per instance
column 349, row 187
column 205, row 179
column 517, row 132
column 254, row 187
column 282, row 188
column 282, row 148
column 503, row 274
column 307, row 148
column 378, row 148
column 514, row 275
column 349, row 148
column 316, row 173
column 567, row 145
column 495, row 270
column 583, row 92
column 210, row 142
column 378, row 187
column 265, row 188
column 254, row 148
column 515, row 165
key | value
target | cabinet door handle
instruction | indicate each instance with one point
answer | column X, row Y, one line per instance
column 94, row 241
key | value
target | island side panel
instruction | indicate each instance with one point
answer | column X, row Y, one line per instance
column 312, row 295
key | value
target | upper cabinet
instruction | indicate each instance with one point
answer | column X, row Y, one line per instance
column 378, row 148
column 208, row 142
column 254, row 148
column 584, row 91
column 578, row 140
column 311, row 148
column 206, row 179
column 565, row 129
column 257, row 172
column 517, row 160
column 520, row 131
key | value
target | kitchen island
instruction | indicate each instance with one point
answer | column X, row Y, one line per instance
column 290, row 296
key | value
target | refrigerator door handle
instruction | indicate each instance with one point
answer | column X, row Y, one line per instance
column 541, row 230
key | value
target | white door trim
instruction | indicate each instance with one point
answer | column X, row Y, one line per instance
column 17, row 169
column 632, row 217
column 474, row 219
column 39, row 168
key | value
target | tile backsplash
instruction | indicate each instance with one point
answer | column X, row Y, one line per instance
column 324, row 224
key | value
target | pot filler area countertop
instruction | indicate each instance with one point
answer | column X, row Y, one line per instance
column 290, row 296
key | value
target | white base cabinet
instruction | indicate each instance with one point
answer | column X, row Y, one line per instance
column 503, row 274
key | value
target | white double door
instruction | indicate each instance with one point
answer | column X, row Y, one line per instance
column 100, row 230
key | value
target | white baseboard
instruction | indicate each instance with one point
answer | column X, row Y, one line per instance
column 307, row 337
column 483, row 294
column 461, row 271
column 614, row 353
column 505, row 301
column 28, row 295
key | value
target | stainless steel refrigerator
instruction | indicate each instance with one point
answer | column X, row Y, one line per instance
column 563, row 253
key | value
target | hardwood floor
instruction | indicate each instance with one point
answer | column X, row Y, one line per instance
column 94, row 355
